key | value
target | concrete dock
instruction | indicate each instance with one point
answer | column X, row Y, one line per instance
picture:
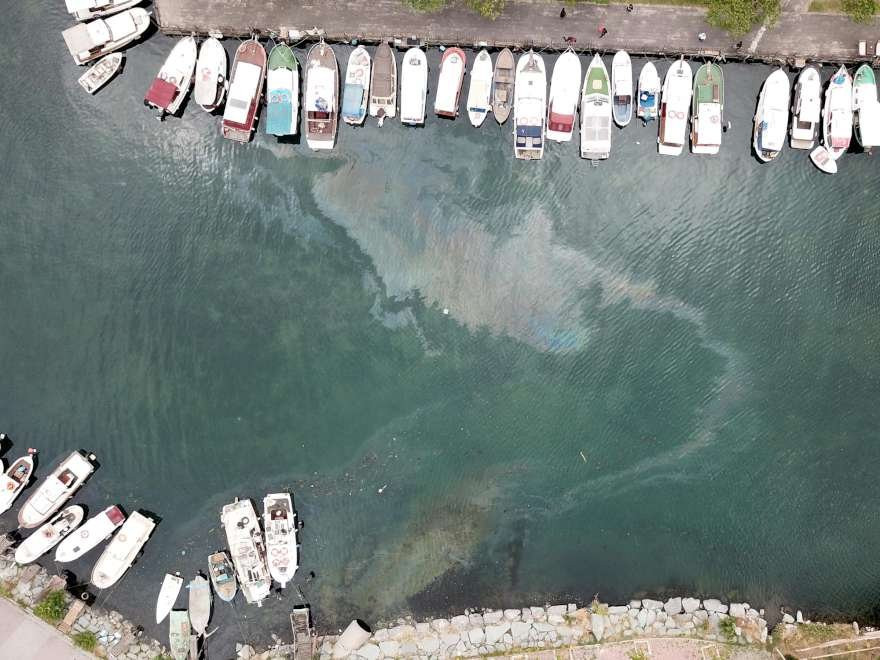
column 25, row 637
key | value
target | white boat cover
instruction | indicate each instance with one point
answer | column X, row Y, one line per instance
column 869, row 124
column 448, row 84
column 709, row 122
column 320, row 92
column 99, row 32
column 413, row 84
column 120, row 25
column 242, row 92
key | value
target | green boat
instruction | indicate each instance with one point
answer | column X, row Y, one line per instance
column 866, row 110
column 707, row 109
column 282, row 83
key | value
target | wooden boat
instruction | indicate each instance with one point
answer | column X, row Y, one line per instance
column 85, row 10
column 480, row 91
column 210, row 87
column 168, row 593
column 771, row 116
column 383, row 84
column 806, row 109
column 866, row 109
column 356, row 93
column 413, row 87
column 823, row 160
column 49, row 535
column 57, row 488
column 222, row 576
column 248, row 549
column 707, row 110
column 502, row 85
column 199, row 604
column 122, row 550
column 282, row 92
column 649, row 93
column 101, row 72
column 622, row 88
column 674, row 103
column 16, row 477
column 322, row 97
column 170, row 86
column 565, row 92
column 89, row 41
column 452, row 66
column 529, row 107
column 245, row 91
column 279, row 521
column 96, row 529
column 596, row 112
column 178, row 634
column 837, row 116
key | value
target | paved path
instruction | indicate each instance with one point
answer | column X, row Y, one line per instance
column 25, row 637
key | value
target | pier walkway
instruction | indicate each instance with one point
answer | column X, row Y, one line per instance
column 24, row 637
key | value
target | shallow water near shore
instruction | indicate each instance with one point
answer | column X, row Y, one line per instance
column 656, row 375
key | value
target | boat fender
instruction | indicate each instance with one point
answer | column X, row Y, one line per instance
column 10, row 486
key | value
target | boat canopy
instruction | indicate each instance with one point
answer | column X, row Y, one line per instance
column 448, row 85
column 869, row 125
column 674, row 126
column 561, row 122
column 646, row 99
column 80, row 38
column 242, row 92
column 841, row 129
column 352, row 97
column 596, row 133
column 709, row 124
column 412, row 100
column 772, row 136
column 480, row 89
column 120, row 25
column 161, row 93
column 279, row 112
column 320, row 89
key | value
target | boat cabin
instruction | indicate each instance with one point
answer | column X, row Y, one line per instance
column 161, row 94
column 673, row 126
column 241, row 105
column 529, row 140
column 560, row 123
column 707, row 125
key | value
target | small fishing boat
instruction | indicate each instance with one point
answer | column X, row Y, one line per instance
column 95, row 530
column 452, row 66
column 222, row 576
column 322, row 97
column 622, row 88
column 707, row 109
column 674, row 103
column 85, row 10
column 282, row 92
column 122, row 550
column 279, row 521
column 596, row 112
column 89, row 41
column 771, row 117
column 565, row 92
column 837, row 115
column 480, row 91
column 502, row 85
column 649, row 93
column 356, row 93
column 383, row 84
column 49, row 535
column 178, row 634
column 245, row 91
column 529, row 107
column 56, row 489
column 248, row 549
column 413, row 87
column 170, row 86
column 806, row 108
column 866, row 109
column 210, row 84
column 101, row 72
column 16, row 477
column 199, row 603
column 823, row 160
column 171, row 585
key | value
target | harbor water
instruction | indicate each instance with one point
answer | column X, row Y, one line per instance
column 486, row 382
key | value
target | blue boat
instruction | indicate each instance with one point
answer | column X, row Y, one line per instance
column 357, row 87
column 282, row 83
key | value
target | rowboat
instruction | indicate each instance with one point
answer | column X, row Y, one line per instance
column 171, row 585
column 356, row 93
column 452, row 66
column 279, row 521
column 122, row 550
column 866, row 109
column 170, row 86
column 529, row 107
column 837, row 116
column 823, row 160
column 16, row 477
column 56, row 489
column 248, row 549
column 49, row 535
column 649, row 93
column 101, row 72
column 622, row 88
column 210, row 75
column 383, row 84
column 707, row 110
column 322, row 97
column 282, row 92
column 89, row 41
column 565, row 92
column 199, row 604
column 806, row 109
column 95, row 530
column 674, row 104
column 480, row 89
column 771, row 116
column 222, row 576
column 413, row 87
column 502, row 85
column 84, row 10
column 178, row 634
column 596, row 112
column 245, row 91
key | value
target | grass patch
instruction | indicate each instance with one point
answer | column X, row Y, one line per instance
column 671, row 3
column 598, row 608
column 5, row 590
column 826, row 6
column 87, row 641
column 52, row 608
column 639, row 654
column 728, row 629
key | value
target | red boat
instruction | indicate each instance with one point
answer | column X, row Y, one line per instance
column 245, row 91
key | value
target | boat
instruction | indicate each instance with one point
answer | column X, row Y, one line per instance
column 95, row 530
column 168, row 593
column 211, row 81
column 100, row 73
column 837, row 116
column 282, row 92
column 122, row 550
column 85, row 10
column 565, row 90
column 452, row 66
column 222, row 576
column 178, row 634
column 674, row 102
column 866, row 109
column 822, row 159
column 383, row 84
column 89, row 41
column 413, row 87
column 56, row 489
column 356, row 93
column 622, row 88
column 170, row 86
column 199, row 603
column 479, row 100
column 707, row 109
column 529, row 107
column 502, row 85
column 247, row 548
column 596, row 112
column 245, row 91
column 649, row 93
column 279, row 521
column 49, row 535
column 322, row 97
column 806, row 108
column 16, row 477
column 771, row 117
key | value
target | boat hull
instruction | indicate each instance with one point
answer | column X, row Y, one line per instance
column 279, row 521
column 248, row 549
column 168, row 592
column 55, row 490
column 174, row 78
column 621, row 88
column 210, row 76
column 383, row 84
column 14, row 480
column 96, row 530
column 707, row 110
column 565, row 92
column 357, row 87
column 452, row 67
column 245, row 91
column 49, row 535
column 530, row 107
column 101, row 72
column 480, row 89
column 771, row 117
column 222, row 576
column 806, row 109
column 596, row 112
column 675, row 101
column 413, row 87
column 649, row 93
column 282, row 92
column 199, row 604
column 502, row 85
column 127, row 25
column 321, row 103
column 837, row 114
column 178, row 634
column 122, row 550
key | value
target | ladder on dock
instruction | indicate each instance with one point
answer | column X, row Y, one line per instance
column 303, row 637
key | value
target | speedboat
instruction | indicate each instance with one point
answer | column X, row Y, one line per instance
column 279, row 521
column 356, row 93
column 383, row 84
column 248, row 549
column 170, row 86
column 49, row 535
column 866, row 109
column 622, row 88
column 674, row 104
column 562, row 104
column 649, row 93
column 100, row 73
column 84, row 10
column 413, row 87
column 210, row 75
column 596, row 112
column 56, row 489
column 168, row 592
column 529, row 107
column 502, row 85
column 282, row 92
column 199, row 603
column 222, row 576
column 707, row 109
column 771, row 117
column 122, row 550
column 89, row 41
column 823, row 160
column 452, row 66
column 479, row 100
column 806, row 108
column 95, row 530
column 16, row 477
column 321, row 101
column 837, row 115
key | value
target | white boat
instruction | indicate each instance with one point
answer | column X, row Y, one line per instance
column 101, row 72
column 248, row 549
column 48, row 536
column 168, row 592
column 707, row 109
column 199, row 603
column 675, row 102
column 622, row 88
column 96, row 529
column 56, row 489
column 565, row 91
column 122, row 550
column 282, row 92
column 529, row 107
column 89, row 41
column 321, row 101
column 596, row 112
column 649, row 93
column 84, row 10
column 771, row 117
column 178, row 635
column 823, row 160
column 480, row 91
column 171, row 84
column 806, row 108
column 356, row 93
column 837, row 116
column 383, row 84
column 279, row 521
column 222, row 576
column 16, row 477
column 211, row 82
column 413, row 87
column 452, row 66
column 866, row 109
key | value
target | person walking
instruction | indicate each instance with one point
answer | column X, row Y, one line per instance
column 562, row 13
column 603, row 31
column 629, row 8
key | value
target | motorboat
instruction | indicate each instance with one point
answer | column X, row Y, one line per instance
column 168, row 592
column 100, row 73
column 565, row 92
column 675, row 101
column 321, row 101
column 806, row 109
column 85, row 10
column 89, row 41
column 822, row 159
column 413, row 87
column 14, row 480
column 502, row 85
column 596, row 112
column 356, row 93
column 96, row 529
column 122, row 550
column 452, row 66
column 279, row 522
column 199, row 603
column 222, row 576
column 771, row 116
column 49, row 535
column 866, row 109
column 529, row 107
column 383, row 84
column 170, row 86
column 248, row 549
column 622, row 88
column 707, row 109
column 178, row 634
column 837, row 115
column 479, row 98
column 282, row 92
column 56, row 489
column 245, row 91
column 649, row 93
column 210, row 86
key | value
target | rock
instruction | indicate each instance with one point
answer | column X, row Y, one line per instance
column 493, row 616
column 476, row 636
column 799, row 617
column 508, row 638
column 555, row 619
column 737, row 610
column 597, row 623
column 752, row 613
column 642, row 618
column 380, row 635
column 558, row 610
column 461, row 622
column 635, row 604
column 511, row 615
column 409, row 650
column 673, row 631
column 787, row 618
column 571, row 607
column 662, row 616
column 449, row 639
column 714, row 605
column 701, row 616
column 369, row 651
column 682, row 619
column 649, row 604
column 399, row 632
column 690, row 604
column 544, row 628
column 651, row 618
column 246, row 651
column 496, row 632
column 520, row 632
column 538, row 613
column 672, row 606
column 389, row 648
column 475, row 620
column 423, row 628
column 618, row 609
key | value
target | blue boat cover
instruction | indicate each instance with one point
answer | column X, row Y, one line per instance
column 279, row 112
column 528, row 131
column 646, row 99
column 351, row 100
